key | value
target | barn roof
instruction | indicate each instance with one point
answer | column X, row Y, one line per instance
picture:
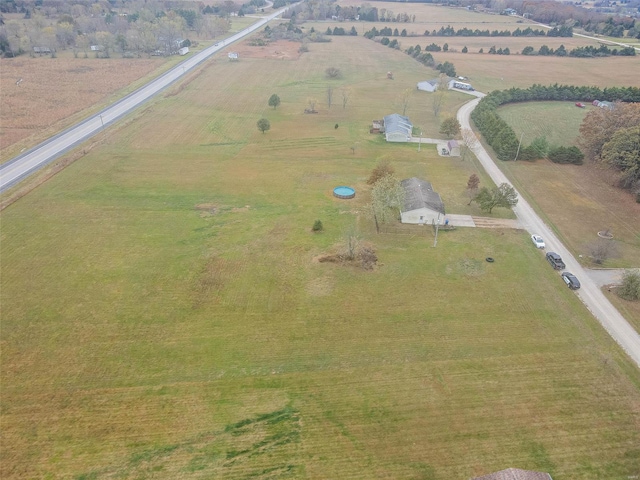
column 419, row 194
column 397, row 123
column 515, row 474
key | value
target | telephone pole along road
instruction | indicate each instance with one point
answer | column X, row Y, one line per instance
column 25, row 164
column 590, row 293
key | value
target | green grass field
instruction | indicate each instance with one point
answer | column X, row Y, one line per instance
column 163, row 315
column 558, row 122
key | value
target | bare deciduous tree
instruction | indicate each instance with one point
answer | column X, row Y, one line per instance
column 404, row 99
column 469, row 142
column 346, row 94
column 438, row 100
column 601, row 250
column 329, row 96
column 312, row 104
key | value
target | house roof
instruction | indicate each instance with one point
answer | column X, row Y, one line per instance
column 515, row 474
column 452, row 144
column 397, row 123
column 419, row 194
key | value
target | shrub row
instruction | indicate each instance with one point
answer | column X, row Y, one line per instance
column 518, row 32
column 501, row 136
column 582, row 52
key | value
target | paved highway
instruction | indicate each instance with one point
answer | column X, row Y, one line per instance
column 590, row 293
column 25, row 164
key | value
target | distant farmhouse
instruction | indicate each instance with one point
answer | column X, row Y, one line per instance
column 421, row 204
column 515, row 474
column 397, row 128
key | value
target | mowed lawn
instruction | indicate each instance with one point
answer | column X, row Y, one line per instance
column 163, row 315
column 558, row 122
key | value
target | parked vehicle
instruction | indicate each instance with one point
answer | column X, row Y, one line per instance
column 579, row 105
column 571, row 280
column 555, row 260
column 537, row 241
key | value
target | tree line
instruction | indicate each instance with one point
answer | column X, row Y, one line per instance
column 143, row 27
column 449, row 31
column 421, row 56
column 588, row 51
column 503, row 139
column 561, row 13
column 612, row 138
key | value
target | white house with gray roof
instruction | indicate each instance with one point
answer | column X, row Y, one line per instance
column 421, row 203
column 397, row 128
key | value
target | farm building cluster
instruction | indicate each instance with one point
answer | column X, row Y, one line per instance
column 432, row 85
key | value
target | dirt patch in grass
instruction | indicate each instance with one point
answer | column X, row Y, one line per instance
column 54, row 89
column 280, row 50
column 208, row 208
column 365, row 257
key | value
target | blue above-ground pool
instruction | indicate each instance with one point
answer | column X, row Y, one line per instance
column 344, row 192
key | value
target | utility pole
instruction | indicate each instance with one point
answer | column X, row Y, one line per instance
column 519, row 143
column 435, row 240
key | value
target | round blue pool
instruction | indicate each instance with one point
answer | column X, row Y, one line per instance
column 344, row 192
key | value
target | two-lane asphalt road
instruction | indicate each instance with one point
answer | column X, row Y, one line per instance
column 590, row 293
column 25, row 164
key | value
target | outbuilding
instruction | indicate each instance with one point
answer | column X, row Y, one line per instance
column 454, row 148
column 421, row 204
column 397, row 128
column 183, row 51
column 428, row 85
column 460, row 85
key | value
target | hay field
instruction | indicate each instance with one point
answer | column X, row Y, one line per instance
column 439, row 15
column 497, row 72
column 174, row 324
column 558, row 122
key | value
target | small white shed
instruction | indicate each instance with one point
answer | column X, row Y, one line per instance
column 421, row 204
column 183, row 51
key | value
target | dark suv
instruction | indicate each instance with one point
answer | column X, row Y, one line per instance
column 570, row 279
column 555, row 260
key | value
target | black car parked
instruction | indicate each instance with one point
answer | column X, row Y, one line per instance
column 555, row 260
column 570, row 279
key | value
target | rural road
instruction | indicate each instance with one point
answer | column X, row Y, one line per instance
column 590, row 293
column 25, row 164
